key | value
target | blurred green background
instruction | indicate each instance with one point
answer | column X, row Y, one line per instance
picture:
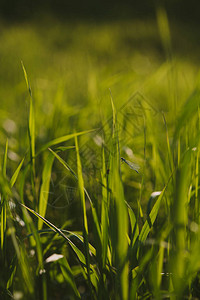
column 75, row 51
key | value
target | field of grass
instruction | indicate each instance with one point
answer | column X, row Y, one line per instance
column 77, row 222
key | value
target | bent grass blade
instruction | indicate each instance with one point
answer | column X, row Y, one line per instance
column 62, row 139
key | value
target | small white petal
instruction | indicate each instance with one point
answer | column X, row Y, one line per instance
column 53, row 257
column 155, row 194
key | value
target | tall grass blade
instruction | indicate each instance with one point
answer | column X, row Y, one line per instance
column 180, row 221
column 4, row 198
column 119, row 217
column 5, row 159
column 31, row 127
column 104, row 213
column 84, row 216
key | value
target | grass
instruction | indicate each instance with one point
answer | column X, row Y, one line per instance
column 77, row 222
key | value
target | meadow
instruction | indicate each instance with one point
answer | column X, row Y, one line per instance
column 99, row 160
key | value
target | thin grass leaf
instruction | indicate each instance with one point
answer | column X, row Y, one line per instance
column 5, row 159
column 180, row 221
column 84, row 216
column 12, row 270
column 197, row 215
column 26, row 79
column 134, row 226
column 113, row 111
column 62, row 139
column 66, row 166
column 78, row 253
column 44, row 191
column 4, row 199
column 68, row 275
column 34, row 240
column 64, row 148
column 15, row 175
column 26, row 217
column 22, row 260
column 69, row 233
column 31, row 127
column 104, row 213
column 118, row 218
column 151, row 218
column 153, row 214
column 3, row 221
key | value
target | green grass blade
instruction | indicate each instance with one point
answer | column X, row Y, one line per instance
column 197, row 216
column 62, row 139
column 151, row 219
column 26, row 79
column 180, row 222
column 134, row 226
column 5, row 159
column 113, row 111
column 153, row 214
column 31, row 127
column 4, row 198
column 78, row 253
column 84, row 216
column 44, row 191
column 65, row 165
column 104, row 213
column 68, row 275
column 118, row 218
column 3, row 221
column 94, row 214
column 22, row 260
column 15, row 175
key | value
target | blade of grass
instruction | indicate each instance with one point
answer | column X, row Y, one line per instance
column 62, row 139
column 5, row 159
column 22, row 259
column 4, row 199
column 153, row 214
column 104, row 213
column 84, row 216
column 180, row 221
column 68, row 275
column 78, row 253
column 119, row 216
column 16, row 173
column 151, row 218
column 94, row 214
column 44, row 191
column 31, row 127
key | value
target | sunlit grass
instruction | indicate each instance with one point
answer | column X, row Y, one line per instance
column 122, row 234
